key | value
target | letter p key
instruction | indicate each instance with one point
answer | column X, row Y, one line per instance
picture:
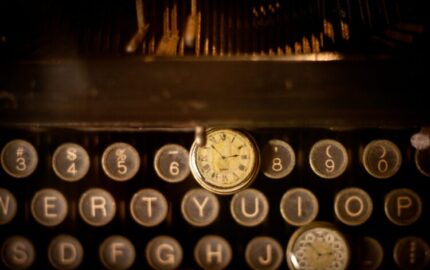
column 403, row 206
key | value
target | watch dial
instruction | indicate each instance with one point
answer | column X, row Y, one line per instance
column 318, row 248
column 227, row 162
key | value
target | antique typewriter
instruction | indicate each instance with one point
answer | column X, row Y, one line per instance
column 214, row 134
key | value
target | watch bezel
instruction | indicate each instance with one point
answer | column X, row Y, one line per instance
column 244, row 183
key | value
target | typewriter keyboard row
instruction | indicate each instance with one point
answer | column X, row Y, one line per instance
column 259, row 199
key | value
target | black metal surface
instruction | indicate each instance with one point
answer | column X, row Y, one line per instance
column 361, row 92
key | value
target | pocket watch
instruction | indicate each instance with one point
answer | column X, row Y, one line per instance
column 318, row 246
column 227, row 163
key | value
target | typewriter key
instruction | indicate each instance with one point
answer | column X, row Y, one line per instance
column 370, row 254
column 299, row 206
column 412, row 253
column 120, row 161
column 382, row 159
column 148, row 207
column 19, row 158
column 249, row 207
column 227, row 163
column 8, row 206
column 65, row 252
column 200, row 207
column 353, row 206
column 97, row 207
column 213, row 252
column 70, row 162
column 403, row 206
column 117, row 252
column 164, row 253
column 422, row 161
column 18, row 253
column 278, row 159
column 171, row 163
column 264, row 253
column 328, row 159
column 49, row 207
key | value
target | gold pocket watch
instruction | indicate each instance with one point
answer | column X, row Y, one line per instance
column 227, row 163
column 318, row 246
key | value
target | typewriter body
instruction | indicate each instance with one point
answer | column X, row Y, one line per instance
column 203, row 134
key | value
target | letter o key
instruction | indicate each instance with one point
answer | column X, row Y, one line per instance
column 353, row 206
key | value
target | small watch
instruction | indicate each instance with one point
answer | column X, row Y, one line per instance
column 227, row 163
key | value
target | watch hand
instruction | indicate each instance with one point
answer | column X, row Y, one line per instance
column 318, row 253
column 232, row 156
column 216, row 150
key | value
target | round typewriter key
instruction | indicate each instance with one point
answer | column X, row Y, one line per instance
column 403, row 206
column 264, row 253
column 249, row 207
column 328, row 159
column 120, row 161
column 18, row 253
column 65, row 252
column 164, row 253
column 19, row 158
column 278, row 159
column 299, row 206
column 370, row 254
column 49, row 207
column 148, row 207
column 8, row 206
column 97, row 207
column 70, row 162
column 422, row 161
column 171, row 163
column 353, row 206
column 213, row 252
column 382, row 159
column 412, row 253
column 200, row 207
column 117, row 252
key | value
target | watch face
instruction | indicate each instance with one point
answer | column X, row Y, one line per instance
column 227, row 163
column 318, row 247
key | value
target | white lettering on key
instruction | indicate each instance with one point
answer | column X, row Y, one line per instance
column 169, row 257
column 98, row 203
column 403, row 202
column 202, row 205
column 72, row 254
column 348, row 203
column 4, row 203
column 268, row 259
column 20, row 253
column 48, row 204
column 299, row 206
column 149, row 201
column 256, row 209
column 116, row 251
column 120, row 161
column 214, row 253
column 20, row 160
